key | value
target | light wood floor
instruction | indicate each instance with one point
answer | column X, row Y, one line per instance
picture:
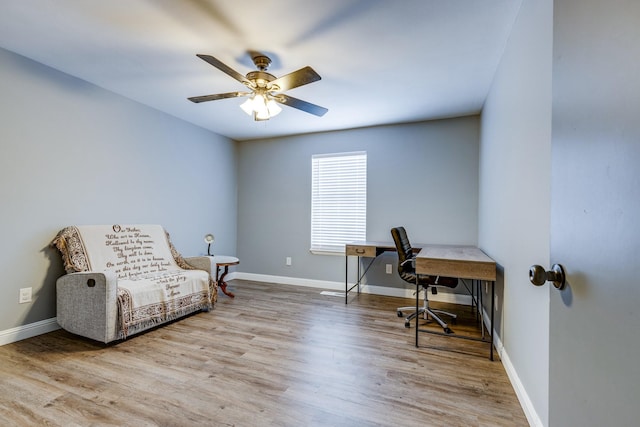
column 275, row 355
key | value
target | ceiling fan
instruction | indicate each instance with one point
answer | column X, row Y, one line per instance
column 265, row 90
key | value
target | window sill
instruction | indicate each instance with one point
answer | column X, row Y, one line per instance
column 318, row 252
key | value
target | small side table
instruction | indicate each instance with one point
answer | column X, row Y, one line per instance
column 223, row 261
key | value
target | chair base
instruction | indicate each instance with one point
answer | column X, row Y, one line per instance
column 427, row 312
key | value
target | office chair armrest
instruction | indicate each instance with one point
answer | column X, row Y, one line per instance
column 411, row 260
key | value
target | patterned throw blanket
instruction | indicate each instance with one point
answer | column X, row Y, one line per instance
column 155, row 284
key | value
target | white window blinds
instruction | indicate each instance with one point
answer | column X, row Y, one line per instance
column 338, row 200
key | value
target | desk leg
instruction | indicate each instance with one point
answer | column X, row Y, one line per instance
column 477, row 290
column 476, row 297
column 493, row 298
column 481, row 311
column 358, row 291
column 346, row 278
column 347, row 289
column 417, row 307
column 479, row 306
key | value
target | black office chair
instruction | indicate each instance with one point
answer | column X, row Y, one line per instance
column 406, row 268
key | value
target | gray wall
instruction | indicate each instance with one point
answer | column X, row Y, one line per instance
column 73, row 153
column 423, row 176
column 595, row 335
column 515, row 165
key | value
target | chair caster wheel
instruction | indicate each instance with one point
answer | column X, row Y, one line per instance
column 454, row 321
column 399, row 313
column 448, row 331
column 407, row 325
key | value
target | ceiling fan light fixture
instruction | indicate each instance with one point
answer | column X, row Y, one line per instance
column 261, row 115
column 261, row 107
column 273, row 107
column 247, row 106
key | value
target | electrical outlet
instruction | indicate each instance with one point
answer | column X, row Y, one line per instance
column 389, row 269
column 288, row 260
column 25, row 295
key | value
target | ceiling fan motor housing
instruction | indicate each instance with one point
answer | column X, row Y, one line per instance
column 261, row 79
column 261, row 61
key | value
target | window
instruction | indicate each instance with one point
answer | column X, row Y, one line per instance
column 338, row 200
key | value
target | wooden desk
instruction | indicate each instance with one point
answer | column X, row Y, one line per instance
column 366, row 250
column 464, row 262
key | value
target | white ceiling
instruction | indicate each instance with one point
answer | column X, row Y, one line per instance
column 381, row 61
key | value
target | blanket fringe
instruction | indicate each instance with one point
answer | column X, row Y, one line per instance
column 126, row 330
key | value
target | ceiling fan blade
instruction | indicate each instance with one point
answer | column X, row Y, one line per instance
column 301, row 105
column 297, row 78
column 205, row 98
column 225, row 69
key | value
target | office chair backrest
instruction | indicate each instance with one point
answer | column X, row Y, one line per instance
column 403, row 246
column 407, row 271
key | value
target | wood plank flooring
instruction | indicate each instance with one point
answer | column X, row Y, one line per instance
column 275, row 355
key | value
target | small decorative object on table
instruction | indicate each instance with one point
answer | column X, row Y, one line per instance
column 208, row 239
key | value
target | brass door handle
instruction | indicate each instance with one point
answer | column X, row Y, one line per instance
column 538, row 276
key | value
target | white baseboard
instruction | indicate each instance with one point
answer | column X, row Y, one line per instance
column 27, row 331
column 284, row 280
column 339, row 286
column 521, row 392
column 518, row 387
